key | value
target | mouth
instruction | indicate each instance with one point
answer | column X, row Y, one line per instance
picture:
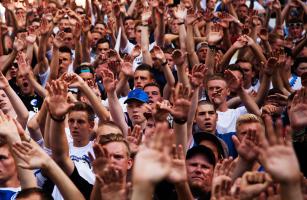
column 150, row 101
column 197, row 178
column 2, row 105
column 208, row 125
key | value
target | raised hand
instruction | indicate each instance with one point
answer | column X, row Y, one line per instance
column 178, row 57
column 19, row 44
column 246, row 148
column 197, row 76
column 180, row 13
column 276, row 153
column 134, row 138
column 3, row 82
column 178, row 172
column 271, row 66
column 146, row 14
column 86, row 25
column 136, row 51
column 240, row 43
column 298, row 110
column 57, row 99
column 44, row 26
column 215, row 35
column 101, row 160
column 77, row 30
column 263, row 34
column 32, row 155
column 161, row 112
column 8, row 128
column 235, row 83
column 31, row 38
column 253, row 183
column 108, row 80
column 182, row 102
column 152, row 164
column 127, row 69
column 58, row 41
column 159, row 54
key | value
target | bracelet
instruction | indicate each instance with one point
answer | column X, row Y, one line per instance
column 165, row 63
column 180, row 121
column 212, row 47
column 58, row 120
column 145, row 25
column 180, row 23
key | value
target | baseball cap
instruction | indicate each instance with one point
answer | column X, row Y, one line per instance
column 137, row 95
column 205, row 151
column 219, row 143
column 201, row 45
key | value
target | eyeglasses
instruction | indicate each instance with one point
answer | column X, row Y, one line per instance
column 295, row 25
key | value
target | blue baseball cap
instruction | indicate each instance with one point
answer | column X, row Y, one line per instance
column 137, row 95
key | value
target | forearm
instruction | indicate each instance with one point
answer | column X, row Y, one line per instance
column 121, row 86
column 191, row 115
column 258, row 53
column 78, row 54
column 8, row 62
column 227, row 56
column 85, row 48
column 190, row 46
column 182, row 76
column 263, row 89
column 241, row 167
column 298, row 48
column 54, row 65
column 170, row 80
column 37, row 87
column 117, row 112
column 145, row 46
column 291, row 191
column 30, row 49
column 123, row 36
column 19, row 107
column 278, row 84
column 67, row 189
column 159, row 30
column 278, row 19
column 182, row 37
column 131, row 8
column 249, row 102
column 285, row 12
column 210, row 61
column 142, row 191
column 34, row 128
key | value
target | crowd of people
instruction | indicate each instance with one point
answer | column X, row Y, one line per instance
column 153, row 99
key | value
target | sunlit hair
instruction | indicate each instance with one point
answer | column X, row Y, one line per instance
column 248, row 118
column 112, row 137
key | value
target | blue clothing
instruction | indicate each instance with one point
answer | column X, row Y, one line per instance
column 8, row 193
column 226, row 137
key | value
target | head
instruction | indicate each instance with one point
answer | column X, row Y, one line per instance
column 69, row 38
column 118, row 151
column 174, row 27
column 64, row 23
column 129, row 25
column 276, row 41
column 5, row 103
column 65, row 59
column 33, row 194
column 296, row 28
column 136, row 106
column 206, row 117
column 81, row 123
column 24, row 84
column 154, row 92
column 217, row 90
column 201, row 50
column 210, row 4
column 142, row 76
column 108, row 127
column 86, row 72
column 300, row 66
column 101, row 28
column 138, row 32
column 95, row 36
column 248, row 122
column 102, row 46
column 242, row 12
column 248, row 72
column 8, row 169
column 200, row 163
column 13, row 70
column 217, row 146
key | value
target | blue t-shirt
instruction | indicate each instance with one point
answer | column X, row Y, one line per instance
column 9, row 193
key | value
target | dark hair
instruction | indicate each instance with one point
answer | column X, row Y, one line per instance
column 65, row 49
column 243, row 60
column 80, row 106
column 22, row 30
column 236, row 67
column 297, row 62
column 153, row 84
column 145, row 67
column 128, row 18
column 206, row 102
column 26, row 193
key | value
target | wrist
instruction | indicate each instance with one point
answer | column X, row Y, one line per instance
column 57, row 118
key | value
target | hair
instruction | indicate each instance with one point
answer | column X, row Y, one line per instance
column 106, row 139
column 145, row 67
column 236, row 67
column 26, row 193
column 243, row 60
column 248, row 118
column 205, row 102
column 109, row 123
column 153, row 84
column 80, row 106
column 82, row 67
column 215, row 77
column 103, row 40
column 128, row 18
column 65, row 49
column 297, row 63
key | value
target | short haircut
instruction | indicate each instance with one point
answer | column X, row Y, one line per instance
column 248, row 118
column 102, row 40
column 80, row 106
column 153, row 84
column 243, row 60
column 106, row 139
column 236, row 67
column 65, row 49
column 22, row 30
column 215, row 77
column 145, row 67
column 109, row 123
column 26, row 193
column 205, row 102
column 128, row 18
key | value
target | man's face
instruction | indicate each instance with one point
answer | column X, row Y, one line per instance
column 102, row 48
column 206, row 118
column 138, row 33
column 24, row 84
column 141, row 78
column 64, row 61
column 100, row 28
column 118, row 153
column 130, row 28
column 244, row 128
column 87, row 76
column 136, row 112
column 217, row 91
column 8, row 171
column 69, row 40
column 295, row 30
column 170, row 61
column 95, row 37
column 201, row 53
column 175, row 26
column 5, row 104
column 200, row 173
column 64, row 23
column 153, row 93
column 211, row 4
column 242, row 12
column 302, row 68
column 248, row 72
column 79, row 126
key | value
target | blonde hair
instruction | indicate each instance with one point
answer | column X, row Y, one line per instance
column 248, row 118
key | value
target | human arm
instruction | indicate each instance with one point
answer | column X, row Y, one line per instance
column 214, row 37
column 190, row 44
column 85, row 41
column 145, row 37
column 78, row 47
column 33, row 157
column 42, row 48
column 159, row 31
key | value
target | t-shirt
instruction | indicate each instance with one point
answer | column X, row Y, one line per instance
column 33, row 103
column 9, row 193
column 295, row 82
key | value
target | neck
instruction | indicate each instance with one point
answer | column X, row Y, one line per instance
column 80, row 143
column 222, row 107
column 142, row 124
column 13, row 183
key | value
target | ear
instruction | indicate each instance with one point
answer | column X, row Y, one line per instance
column 227, row 91
column 92, row 124
column 130, row 163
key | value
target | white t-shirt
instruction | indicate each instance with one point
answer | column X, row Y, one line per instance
column 226, row 122
column 295, row 82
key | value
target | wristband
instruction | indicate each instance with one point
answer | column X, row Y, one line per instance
column 58, row 120
column 212, row 47
column 180, row 121
column 145, row 25
column 180, row 23
column 165, row 63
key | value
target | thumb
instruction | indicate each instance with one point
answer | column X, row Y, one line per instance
column 236, row 141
